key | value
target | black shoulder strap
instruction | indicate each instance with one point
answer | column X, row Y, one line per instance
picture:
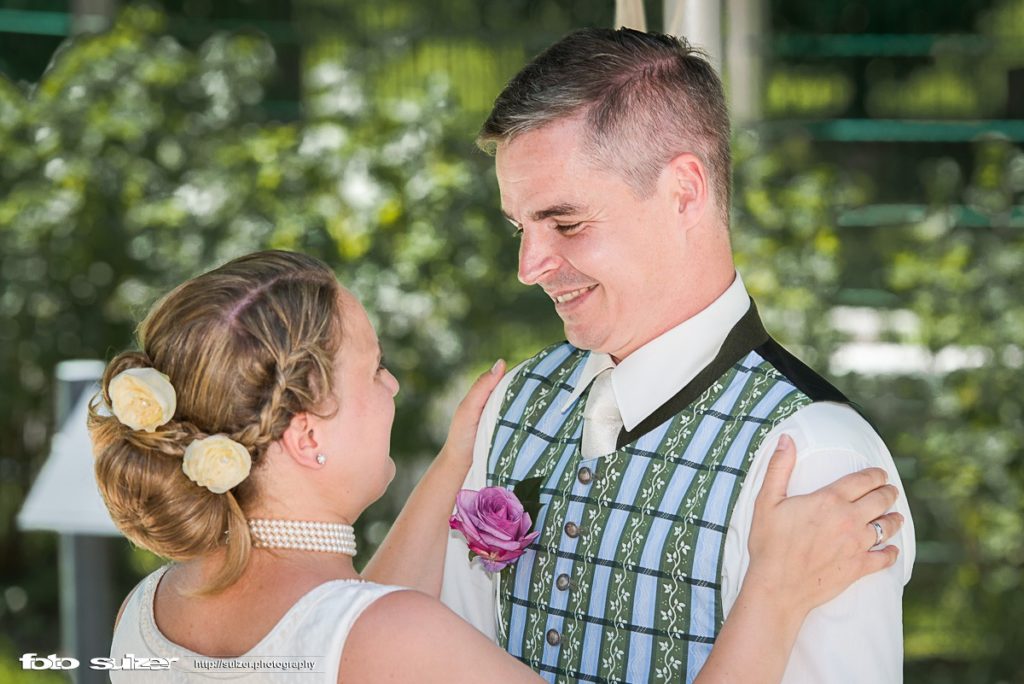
column 746, row 336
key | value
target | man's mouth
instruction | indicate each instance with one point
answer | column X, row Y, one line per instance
column 569, row 296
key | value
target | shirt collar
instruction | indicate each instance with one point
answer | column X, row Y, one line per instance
column 655, row 372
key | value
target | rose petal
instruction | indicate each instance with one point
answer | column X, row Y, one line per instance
column 465, row 507
column 496, row 543
column 496, row 497
column 524, row 524
column 478, row 549
column 467, row 531
column 528, row 539
column 500, row 512
column 502, row 533
column 493, row 566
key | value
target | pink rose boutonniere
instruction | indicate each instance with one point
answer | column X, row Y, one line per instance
column 495, row 525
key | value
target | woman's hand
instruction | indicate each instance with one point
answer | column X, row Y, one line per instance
column 804, row 550
column 807, row 549
column 458, row 448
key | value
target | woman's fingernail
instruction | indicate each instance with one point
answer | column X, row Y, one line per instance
column 785, row 442
column 497, row 365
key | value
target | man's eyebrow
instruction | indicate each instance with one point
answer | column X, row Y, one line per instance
column 550, row 212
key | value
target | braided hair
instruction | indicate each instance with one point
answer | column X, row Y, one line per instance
column 246, row 346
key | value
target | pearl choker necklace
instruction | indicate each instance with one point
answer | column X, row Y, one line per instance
column 303, row 535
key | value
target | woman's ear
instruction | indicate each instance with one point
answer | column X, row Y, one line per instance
column 299, row 441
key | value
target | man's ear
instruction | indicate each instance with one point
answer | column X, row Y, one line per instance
column 300, row 442
column 689, row 185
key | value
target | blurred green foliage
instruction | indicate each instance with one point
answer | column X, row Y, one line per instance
column 879, row 73
column 965, row 285
column 136, row 162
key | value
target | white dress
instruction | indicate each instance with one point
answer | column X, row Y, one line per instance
column 303, row 647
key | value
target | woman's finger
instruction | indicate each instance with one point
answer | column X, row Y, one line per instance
column 882, row 529
column 780, row 467
column 876, row 502
column 878, row 559
column 855, row 485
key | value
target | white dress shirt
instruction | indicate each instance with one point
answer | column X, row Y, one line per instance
column 856, row 637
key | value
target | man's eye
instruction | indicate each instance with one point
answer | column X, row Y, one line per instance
column 567, row 227
column 517, row 232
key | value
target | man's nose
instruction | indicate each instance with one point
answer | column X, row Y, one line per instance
column 538, row 256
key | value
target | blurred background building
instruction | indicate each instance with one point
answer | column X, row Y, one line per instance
column 878, row 213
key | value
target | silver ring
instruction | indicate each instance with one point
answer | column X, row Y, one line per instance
column 879, row 532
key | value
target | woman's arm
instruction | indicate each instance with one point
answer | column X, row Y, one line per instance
column 408, row 637
column 412, row 553
column 805, row 550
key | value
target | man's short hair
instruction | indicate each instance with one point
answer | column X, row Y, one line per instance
column 646, row 98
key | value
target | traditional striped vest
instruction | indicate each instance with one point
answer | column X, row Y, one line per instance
column 623, row 584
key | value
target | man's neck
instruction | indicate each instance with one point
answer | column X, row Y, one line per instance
column 706, row 292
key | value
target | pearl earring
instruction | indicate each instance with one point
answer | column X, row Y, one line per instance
column 321, row 459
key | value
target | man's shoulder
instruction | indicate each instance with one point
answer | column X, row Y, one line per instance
column 832, row 425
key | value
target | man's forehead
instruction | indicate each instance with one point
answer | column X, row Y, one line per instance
column 541, row 174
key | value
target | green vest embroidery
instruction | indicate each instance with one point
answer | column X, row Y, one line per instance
column 624, row 582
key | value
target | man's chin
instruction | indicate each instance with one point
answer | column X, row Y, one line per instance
column 581, row 339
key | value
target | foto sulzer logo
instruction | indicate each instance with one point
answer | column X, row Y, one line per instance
column 130, row 661
column 34, row 661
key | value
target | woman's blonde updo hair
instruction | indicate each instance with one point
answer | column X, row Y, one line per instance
column 246, row 347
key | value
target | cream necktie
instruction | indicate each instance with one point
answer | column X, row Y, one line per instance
column 601, row 418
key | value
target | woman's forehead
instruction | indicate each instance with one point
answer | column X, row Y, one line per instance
column 356, row 326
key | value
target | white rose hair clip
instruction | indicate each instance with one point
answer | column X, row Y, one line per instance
column 142, row 398
column 217, row 463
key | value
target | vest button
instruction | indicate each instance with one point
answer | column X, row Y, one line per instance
column 572, row 530
column 562, row 582
column 553, row 637
column 585, row 475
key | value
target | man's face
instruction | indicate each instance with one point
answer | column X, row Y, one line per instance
column 613, row 264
